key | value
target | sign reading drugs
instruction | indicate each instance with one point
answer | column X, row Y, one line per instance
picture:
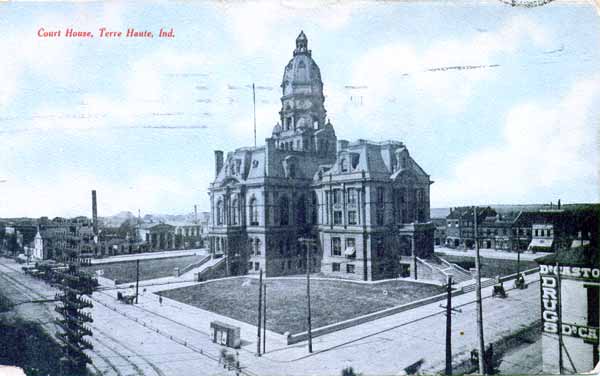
column 550, row 294
column 549, row 303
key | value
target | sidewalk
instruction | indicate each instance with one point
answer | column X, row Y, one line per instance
column 384, row 346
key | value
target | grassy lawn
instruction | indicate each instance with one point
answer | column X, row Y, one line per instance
column 490, row 267
column 124, row 272
column 331, row 301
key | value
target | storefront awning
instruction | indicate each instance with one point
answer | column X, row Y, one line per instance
column 350, row 251
column 540, row 243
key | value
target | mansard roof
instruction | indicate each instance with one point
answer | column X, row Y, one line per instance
column 378, row 160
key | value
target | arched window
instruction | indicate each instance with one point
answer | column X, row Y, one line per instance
column 220, row 212
column 253, row 209
column 301, row 211
column 292, row 170
column 234, row 212
column 284, row 211
column 257, row 246
column 314, row 208
column 419, row 195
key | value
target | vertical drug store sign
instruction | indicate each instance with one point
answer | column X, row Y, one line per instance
column 551, row 281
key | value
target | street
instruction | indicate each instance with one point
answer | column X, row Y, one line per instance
column 171, row 338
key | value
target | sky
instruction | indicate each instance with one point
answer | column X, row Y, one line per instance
column 138, row 119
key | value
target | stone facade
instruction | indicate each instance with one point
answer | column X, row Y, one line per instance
column 358, row 206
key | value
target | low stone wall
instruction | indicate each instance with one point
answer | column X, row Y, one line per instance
column 108, row 262
column 299, row 337
column 105, row 281
column 514, row 276
column 215, row 271
column 194, row 265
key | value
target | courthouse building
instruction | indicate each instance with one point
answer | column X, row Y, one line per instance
column 362, row 208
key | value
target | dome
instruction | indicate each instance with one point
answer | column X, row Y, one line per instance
column 303, row 70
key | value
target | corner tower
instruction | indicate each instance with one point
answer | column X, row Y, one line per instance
column 303, row 125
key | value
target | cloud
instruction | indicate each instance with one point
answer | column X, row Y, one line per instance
column 153, row 91
column 399, row 66
column 549, row 149
column 53, row 59
column 257, row 25
column 70, row 194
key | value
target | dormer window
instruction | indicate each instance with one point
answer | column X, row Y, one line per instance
column 355, row 158
column 344, row 165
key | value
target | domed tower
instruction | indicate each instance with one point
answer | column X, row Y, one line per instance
column 302, row 103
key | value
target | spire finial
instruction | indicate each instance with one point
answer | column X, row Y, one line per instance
column 301, row 43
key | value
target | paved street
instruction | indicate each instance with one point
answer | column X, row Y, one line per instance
column 172, row 338
column 523, row 359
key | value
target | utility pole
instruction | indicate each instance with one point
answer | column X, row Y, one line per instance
column 478, row 291
column 308, row 245
column 254, row 105
column 559, row 314
column 137, row 279
column 265, row 317
column 449, row 328
column 259, row 312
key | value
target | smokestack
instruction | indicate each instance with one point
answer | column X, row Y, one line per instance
column 218, row 161
column 195, row 214
column 94, row 213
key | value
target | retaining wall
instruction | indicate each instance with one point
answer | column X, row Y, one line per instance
column 299, row 337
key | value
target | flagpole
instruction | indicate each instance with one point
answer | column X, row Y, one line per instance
column 254, row 104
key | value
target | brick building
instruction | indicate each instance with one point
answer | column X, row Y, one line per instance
column 362, row 205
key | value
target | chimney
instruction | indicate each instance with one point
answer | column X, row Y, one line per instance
column 218, row 161
column 559, row 204
column 342, row 145
column 195, row 214
column 94, row 213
